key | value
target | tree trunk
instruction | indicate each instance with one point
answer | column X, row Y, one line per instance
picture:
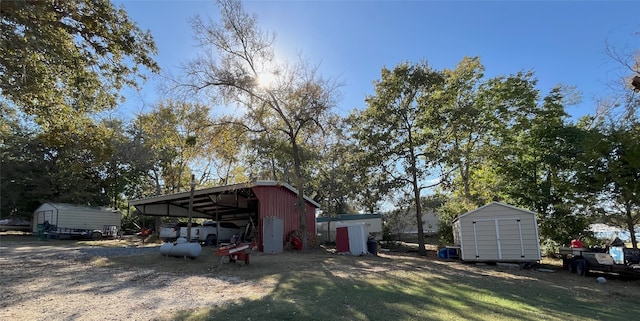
column 416, row 195
column 630, row 225
column 300, row 203
column 464, row 170
column 421, row 249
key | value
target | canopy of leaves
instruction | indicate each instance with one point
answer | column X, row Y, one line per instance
column 610, row 171
column 34, row 171
column 188, row 140
column 58, row 57
column 389, row 134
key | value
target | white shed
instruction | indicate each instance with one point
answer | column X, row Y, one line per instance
column 326, row 227
column 76, row 220
column 497, row 232
column 352, row 238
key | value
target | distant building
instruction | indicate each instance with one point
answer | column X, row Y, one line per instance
column 409, row 226
column 372, row 222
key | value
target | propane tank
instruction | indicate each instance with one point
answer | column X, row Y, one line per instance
column 181, row 249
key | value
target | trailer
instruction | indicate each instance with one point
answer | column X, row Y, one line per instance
column 583, row 261
column 63, row 221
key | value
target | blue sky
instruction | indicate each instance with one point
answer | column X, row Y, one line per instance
column 561, row 41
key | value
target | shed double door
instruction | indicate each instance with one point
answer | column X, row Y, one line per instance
column 498, row 239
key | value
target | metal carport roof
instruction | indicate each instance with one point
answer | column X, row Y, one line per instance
column 229, row 201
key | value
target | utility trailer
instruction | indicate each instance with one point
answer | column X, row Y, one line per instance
column 583, row 261
column 63, row 221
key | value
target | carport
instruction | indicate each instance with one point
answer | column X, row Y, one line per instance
column 249, row 202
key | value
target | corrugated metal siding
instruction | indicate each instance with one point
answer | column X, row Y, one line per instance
column 75, row 216
column 81, row 219
column 277, row 201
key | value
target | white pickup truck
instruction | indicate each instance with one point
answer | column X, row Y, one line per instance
column 207, row 233
column 171, row 231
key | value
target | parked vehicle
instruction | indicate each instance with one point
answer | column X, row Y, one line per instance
column 171, row 231
column 210, row 233
column 615, row 259
column 59, row 220
column 15, row 224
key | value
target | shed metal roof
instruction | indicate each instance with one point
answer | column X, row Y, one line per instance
column 76, row 207
column 494, row 203
column 236, row 200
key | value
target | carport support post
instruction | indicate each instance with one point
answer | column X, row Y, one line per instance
column 192, row 185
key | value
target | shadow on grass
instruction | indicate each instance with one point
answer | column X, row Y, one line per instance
column 421, row 294
column 334, row 287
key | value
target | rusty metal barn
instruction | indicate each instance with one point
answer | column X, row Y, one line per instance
column 255, row 203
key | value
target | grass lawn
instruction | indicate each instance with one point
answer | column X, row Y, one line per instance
column 415, row 295
column 401, row 286
column 392, row 286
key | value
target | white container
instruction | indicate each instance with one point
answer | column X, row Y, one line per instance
column 357, row 234
column 191, row 250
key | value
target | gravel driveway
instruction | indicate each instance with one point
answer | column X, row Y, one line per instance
column 49, row 282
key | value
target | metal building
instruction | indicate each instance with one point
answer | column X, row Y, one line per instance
column 244, row 203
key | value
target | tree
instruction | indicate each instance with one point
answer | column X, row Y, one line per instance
column 21, row 166
column 37, row 169
column 539, row 163
column 614, row 176
column 613, row 159
column 289, row 102
column 624, row 102
column 127, row 162
column 452, row 208
column 334, row 185
column 459, row 121
column 399, row 219
column 62, row 62
column 389, row 133
column 496, row 140
column 187, row 139
column 61, row 57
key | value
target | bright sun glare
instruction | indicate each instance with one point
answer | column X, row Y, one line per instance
column 266, row 80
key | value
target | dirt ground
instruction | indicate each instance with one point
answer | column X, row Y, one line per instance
column 46, row 280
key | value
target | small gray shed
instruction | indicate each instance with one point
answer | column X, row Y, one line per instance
column 497, row 232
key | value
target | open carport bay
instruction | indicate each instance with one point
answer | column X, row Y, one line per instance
column 245, row 203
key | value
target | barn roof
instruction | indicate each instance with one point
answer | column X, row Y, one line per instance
column 495, row 204
column 235, row 200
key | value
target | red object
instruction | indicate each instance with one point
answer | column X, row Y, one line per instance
column 236, row 252
column 576, row 243
column 276, row 201
column 297, row 242
column 342, row 239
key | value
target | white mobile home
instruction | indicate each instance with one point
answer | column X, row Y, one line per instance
column 497, row 232
column 65, row 220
